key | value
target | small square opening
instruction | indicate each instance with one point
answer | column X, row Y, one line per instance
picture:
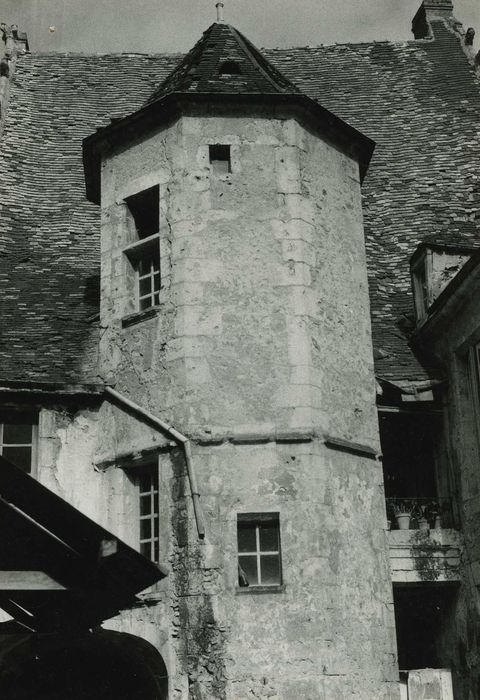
column 220, row 159
column 145, row 210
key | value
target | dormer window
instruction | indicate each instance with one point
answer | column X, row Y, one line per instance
column 230, row 68
column 143, row 254
column 433, row 266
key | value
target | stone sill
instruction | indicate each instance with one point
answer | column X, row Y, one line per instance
column 252, row 590
column 140, row 316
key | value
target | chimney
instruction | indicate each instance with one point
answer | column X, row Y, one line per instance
column 15, row 42
column 431, row 10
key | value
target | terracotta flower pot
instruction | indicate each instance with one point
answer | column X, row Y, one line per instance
column 403, row 521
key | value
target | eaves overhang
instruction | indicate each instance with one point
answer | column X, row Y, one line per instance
column 151, row 116
column 59, row 570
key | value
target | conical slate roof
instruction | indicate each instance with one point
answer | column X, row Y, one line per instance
column 224, row 61
column 223, row 69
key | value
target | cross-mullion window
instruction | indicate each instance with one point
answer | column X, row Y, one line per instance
column 148, row 272
column 149, row 512
column 18, row 443
column 259, row 553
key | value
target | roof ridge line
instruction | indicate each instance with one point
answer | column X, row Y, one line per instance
column 252, row 58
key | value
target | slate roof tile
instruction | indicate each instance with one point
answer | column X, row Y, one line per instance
column 418, row 100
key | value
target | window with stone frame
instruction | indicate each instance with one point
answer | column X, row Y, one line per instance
column 18, row 440
column 143, row 254
column 259, row 552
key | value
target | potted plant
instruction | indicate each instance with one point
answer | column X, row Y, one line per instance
column 423, row 519
column 434, row 515
column 403, row 513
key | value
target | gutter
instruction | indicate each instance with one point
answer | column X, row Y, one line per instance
column 179, row 438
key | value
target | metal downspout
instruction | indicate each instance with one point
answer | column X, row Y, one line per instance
column 179, row 437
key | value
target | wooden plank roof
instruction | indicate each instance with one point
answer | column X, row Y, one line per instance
column 58, row 568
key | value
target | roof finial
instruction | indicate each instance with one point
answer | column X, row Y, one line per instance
column 219, row 7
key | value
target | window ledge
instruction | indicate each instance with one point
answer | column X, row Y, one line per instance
column 251, row 590
column 139, row 316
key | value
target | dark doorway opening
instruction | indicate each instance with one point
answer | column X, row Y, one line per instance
column 99, row 666
column 423, row 618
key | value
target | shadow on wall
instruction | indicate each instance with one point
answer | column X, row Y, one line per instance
column 99, row 666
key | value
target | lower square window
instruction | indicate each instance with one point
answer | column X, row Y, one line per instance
column 259, row 556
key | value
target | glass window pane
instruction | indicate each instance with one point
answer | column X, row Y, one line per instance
column 155, row 527
column 156, row 282
column 145, row 549
column 156, row 551
column 270, row 566
column 156, row 262
column 269, row 538
column 17, row 433
column 144, row 482
column 144, row 266
column 145, row 286
column 145, row 529
column 248, row 564
column 246, row 535
column 20, row 456
column 145, row 303
column 145, row 505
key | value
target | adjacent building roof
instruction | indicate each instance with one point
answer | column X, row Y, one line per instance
column 418, row 100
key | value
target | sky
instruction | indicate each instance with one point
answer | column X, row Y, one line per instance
column 157, row 26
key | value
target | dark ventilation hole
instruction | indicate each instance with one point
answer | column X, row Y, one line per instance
column 220, row 159
column 230, row 68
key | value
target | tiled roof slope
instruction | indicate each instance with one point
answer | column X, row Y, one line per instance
column 200, row 70
column 49, row 232
column 418, row 100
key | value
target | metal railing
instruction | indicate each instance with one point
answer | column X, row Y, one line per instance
column 405, row 513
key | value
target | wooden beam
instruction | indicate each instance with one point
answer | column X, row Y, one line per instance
column 28, row 581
